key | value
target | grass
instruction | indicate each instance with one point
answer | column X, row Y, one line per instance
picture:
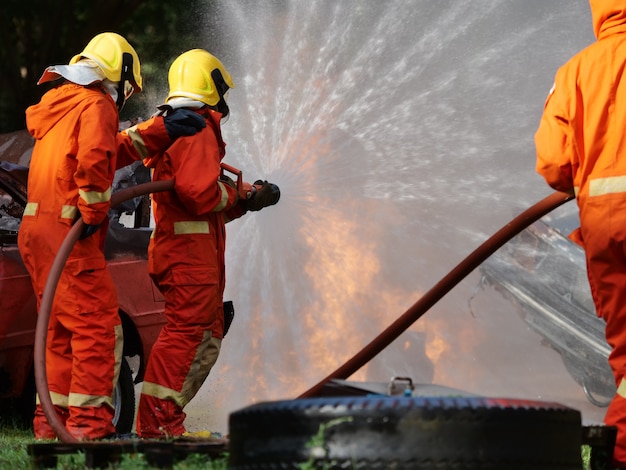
column 14, row 441
column 15, row 438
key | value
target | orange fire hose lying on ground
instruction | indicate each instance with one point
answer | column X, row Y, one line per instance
column 431, row 297
column 41, row 329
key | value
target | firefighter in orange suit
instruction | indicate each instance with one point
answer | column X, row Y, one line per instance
column 186, row 253
column 581, row 150
column 77, row 149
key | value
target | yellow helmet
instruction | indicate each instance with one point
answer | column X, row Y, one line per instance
column 199, row 75
column 116, row 57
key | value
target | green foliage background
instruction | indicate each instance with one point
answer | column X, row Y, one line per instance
column 37, row 33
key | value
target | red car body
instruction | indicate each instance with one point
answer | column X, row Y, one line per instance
column 140, row 303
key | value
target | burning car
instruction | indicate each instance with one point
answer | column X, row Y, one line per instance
column 140, row 303
column 544, row 274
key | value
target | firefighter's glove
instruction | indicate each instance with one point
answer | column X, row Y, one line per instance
column 88, row 230
column 266, row 194
column 182, row 122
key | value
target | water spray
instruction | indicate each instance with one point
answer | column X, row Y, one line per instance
column 429, row 299
column 41, row 329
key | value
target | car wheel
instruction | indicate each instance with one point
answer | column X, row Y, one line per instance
column 124, row 400
column 405, row 433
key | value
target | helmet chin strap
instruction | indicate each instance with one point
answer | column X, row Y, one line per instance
column 121, row 98
column 222, row 90
column 223, row 108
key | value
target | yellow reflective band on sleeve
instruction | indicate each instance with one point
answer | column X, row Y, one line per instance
column 69, row 212
column 610, row 185
column 576, row 189
column 94, row 197
column 621, row 390
column 31, row 208
column 137, row 140
column 222, row 205
column 194, row 226
column 163, row 393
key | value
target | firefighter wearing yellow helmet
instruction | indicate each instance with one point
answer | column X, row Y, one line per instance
column 118, row 61
column 186, row 252
column 77, row 150
column 199, row 75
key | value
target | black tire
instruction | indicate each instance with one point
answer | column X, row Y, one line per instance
column 124, row 400
column 406, row 433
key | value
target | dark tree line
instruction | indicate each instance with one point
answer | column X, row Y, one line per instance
column 37, row 33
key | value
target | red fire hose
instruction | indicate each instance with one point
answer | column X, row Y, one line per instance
column 518, row 224
column 41, row 328
column 429, row 299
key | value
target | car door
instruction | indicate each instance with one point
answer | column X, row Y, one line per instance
column 18, row 307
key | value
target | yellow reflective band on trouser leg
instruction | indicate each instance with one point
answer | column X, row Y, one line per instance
column 621, row 390
column 81, row 399
column 205, row 358
column 57, row 399
column 162, row 393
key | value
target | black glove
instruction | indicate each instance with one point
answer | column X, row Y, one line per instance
column 183, row 121
column 267, row 194
column 88, row 230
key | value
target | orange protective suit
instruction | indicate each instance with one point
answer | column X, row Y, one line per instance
column 77, row 150
column 186, row 259
column 581, row 149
